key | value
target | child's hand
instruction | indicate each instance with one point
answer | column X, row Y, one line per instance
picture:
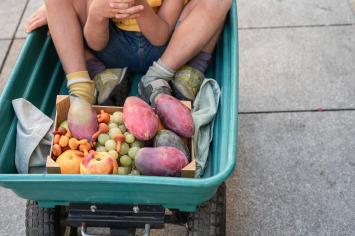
column 132, row 12
column 114, row 8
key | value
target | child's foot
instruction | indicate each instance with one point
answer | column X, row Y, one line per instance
column 187, row 83
column 155, row 81
column 38, row 19
column 112, row 86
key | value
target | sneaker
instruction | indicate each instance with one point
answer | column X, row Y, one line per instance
column 187, row 83
column 112, row 86
column 149, row 91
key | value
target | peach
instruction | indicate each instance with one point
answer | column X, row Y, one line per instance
column 98, row 163
column 69, row 161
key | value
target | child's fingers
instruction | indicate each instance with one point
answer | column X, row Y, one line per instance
column 123, row 1
column 31, row 24
column 132, row 10
column 119, row 6
column 121, row 16
column 34, row 25
column 129, row 3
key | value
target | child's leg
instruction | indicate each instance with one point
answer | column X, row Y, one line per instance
column 66, row 31
column 72, row 52
column 188, row 79
column 65, row 19
column 201, row 23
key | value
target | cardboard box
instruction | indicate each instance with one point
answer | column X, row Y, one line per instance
column 62, row 108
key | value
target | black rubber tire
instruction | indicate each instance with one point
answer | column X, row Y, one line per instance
column 43, row 221
column 210, row 218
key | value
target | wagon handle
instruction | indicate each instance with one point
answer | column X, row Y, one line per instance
column 83, row 231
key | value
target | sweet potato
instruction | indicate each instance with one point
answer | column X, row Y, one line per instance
column 175, row 115
column 160, row 161
column 139, row 118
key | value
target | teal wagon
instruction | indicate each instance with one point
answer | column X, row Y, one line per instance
column 130, row 201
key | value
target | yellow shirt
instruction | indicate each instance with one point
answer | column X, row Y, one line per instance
column 131, row 24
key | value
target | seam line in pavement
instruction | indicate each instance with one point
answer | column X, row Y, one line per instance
column 14, row 36
column 11, row 38
column 296, row 26
column 296, row 111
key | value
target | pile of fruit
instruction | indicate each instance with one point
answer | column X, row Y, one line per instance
column 132, row 142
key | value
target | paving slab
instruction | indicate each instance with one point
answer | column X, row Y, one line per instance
column 297, row 68
column 295, row 174
column 10, row 61
column 12, row 208
column 275, row 13
column 31, row 7
column 4, row 44
column 10, row 14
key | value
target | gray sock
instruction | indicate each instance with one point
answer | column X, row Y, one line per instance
column 200, row 61
column 155, row 81
column 158, row 71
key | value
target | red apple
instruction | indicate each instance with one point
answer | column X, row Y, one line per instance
column 98, row 163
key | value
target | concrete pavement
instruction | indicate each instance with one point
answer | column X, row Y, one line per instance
column 296, row 156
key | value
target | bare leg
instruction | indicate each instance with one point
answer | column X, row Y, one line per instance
column 209, row 47
column 201, row 24
column 39, row 19
column 65, row 19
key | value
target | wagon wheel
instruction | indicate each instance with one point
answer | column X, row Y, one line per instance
column 210, row 218
column 46, row 221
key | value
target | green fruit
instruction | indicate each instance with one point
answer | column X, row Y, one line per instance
column 123, row 170
column 133, row 152
column 117, row 117
column 125, row 160
column 124, row 148
column 101, row 148
column 110, row 145
column 112, row 125
column 122, row 128
column 130, row 138
column 137, row 143
column 113, row 132
column 103, row 138
column 113, row 154
column 135, row 172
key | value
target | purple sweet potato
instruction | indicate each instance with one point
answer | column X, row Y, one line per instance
column 160, row 161
column 139, row 118
column 82, row 119
column 175, row 115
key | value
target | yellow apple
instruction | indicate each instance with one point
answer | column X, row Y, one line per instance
column 69, row 161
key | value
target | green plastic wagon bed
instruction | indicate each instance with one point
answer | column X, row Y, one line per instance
column 38, row 77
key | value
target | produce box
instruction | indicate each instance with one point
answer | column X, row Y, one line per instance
column 62, row 108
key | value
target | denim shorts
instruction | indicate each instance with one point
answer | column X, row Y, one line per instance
column 129, row 49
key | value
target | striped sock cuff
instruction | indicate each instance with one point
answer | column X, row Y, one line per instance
column 78, row 77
